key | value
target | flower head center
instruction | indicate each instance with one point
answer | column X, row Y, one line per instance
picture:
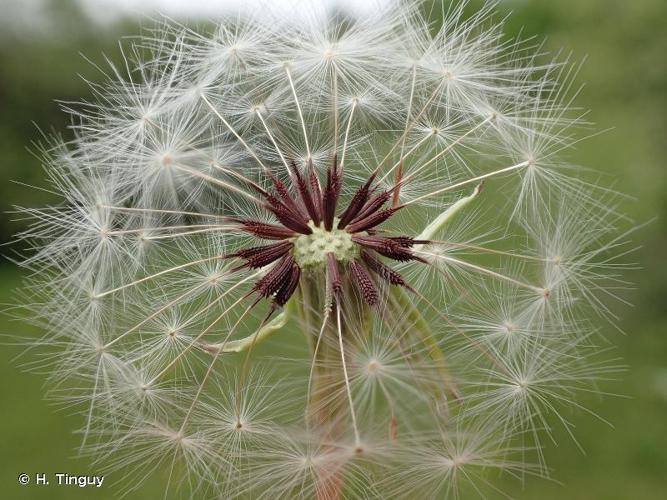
column 311, row 249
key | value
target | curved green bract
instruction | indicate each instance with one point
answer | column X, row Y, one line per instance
column 448, row 215
column 267, row 330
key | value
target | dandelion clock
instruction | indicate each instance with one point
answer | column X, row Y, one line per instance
column 319, row 256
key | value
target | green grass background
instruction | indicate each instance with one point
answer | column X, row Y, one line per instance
column 626, row 89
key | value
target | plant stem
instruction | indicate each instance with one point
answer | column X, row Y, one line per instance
column 328, row 412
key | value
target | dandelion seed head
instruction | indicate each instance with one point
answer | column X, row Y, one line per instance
column 334, row 257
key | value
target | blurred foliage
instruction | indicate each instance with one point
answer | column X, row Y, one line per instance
column 36, row 68
column 626, row 88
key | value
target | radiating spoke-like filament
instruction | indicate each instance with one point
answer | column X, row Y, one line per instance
column 156, row 313
column 163, row 228
column 199, row 336
column 178, row 299
column 341, row 346
column 313, row 361
column 273, row 141
column 482, row 249
column 411, row 126
column 457, row 185
column 355, row 103
column 434, row 158
column 161, row 273
column 211, row 364
column 219, row 182
column 235, row 133
column 480, row 269
column 298, row 108
column 162, row 211
column 190, row 233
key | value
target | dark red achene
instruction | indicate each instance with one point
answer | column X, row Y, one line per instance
column 313, row 205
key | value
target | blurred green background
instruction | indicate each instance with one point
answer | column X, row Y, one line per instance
column 626, row 89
